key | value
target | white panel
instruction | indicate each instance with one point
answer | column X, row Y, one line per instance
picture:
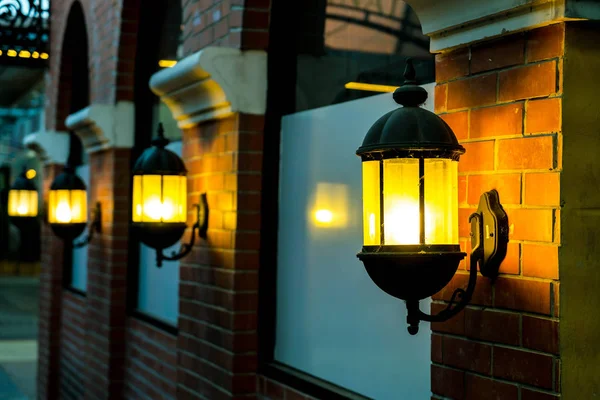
column 80, row 255
column 158, row 293
column 332, row 321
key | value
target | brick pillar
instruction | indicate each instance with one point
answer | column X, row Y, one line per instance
column 107, row 269
column 503, row 100
column 50, row 302
column 217, row 341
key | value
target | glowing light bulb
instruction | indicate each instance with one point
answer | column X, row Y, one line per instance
column 22, row 209
column 324, row 216
column 30, row 174
column 63, row 212
column 157, row 210
column 372, row 231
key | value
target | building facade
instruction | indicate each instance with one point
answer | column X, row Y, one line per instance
column 254, row 96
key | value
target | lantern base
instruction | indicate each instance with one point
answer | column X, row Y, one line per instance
column 158, row 235
column 411, row 272
column 68, row 232
column 23, row 223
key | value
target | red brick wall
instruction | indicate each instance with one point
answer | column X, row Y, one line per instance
column 72, row 346
column 50, row 303
column 151, row 363
column 503, row 100
column 217, row 342
column 228, row 23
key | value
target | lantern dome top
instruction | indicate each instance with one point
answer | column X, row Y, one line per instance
column 157, row 160
column 23, row 183
column 68, row 180
column 410, row 130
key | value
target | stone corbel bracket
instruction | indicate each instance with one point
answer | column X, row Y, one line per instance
column 213, row 83
column 104, row 126
column 52, row 147
column 453, row 23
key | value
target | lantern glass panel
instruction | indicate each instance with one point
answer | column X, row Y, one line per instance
column 371, row 203
column 401, row 201
column 22, row 203
column 158, row 198
column 441, row 201
column 67, row 206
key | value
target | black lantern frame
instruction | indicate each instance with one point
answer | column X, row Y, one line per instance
column 415, row 272
column 157, row 160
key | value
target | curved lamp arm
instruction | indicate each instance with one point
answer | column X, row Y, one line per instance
column 95, row 226
column 489, row 237
column 201, row 225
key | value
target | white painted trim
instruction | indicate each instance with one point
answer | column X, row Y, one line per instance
column 213, row 83
column 52, row 147
column 104, row 126
column 453, row 23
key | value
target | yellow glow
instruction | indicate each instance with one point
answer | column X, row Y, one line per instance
column 401, row 221
column 0, row 52
column 22, row 203
column 67, row 206
column 35, row 54
column 158, row 198
column 371, row 87
column 11, row 53
column 24, row 54
column 167, row 63
column 330, row 205
column 30, row 174
column 371, row 203
column 44, row 56
column 324, row 216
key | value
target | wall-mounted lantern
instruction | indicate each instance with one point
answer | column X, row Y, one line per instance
column 23, row 201
column 410, row 208
column 159, row 206
column 67, row 206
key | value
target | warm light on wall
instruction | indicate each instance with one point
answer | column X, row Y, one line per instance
column 330, row 205
column 370, row 87
column 167, row 63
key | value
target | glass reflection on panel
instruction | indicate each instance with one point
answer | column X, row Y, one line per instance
column 330, row 205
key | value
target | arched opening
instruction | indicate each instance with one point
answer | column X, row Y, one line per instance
column 73, row 84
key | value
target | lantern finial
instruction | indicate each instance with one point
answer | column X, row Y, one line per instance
column 161, row 140
column 409, row 94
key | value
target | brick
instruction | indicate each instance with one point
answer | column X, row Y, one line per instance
column 507, row 185
column 468, row 355
column 462, row 189
column 530, row 224
column 479, row 156
column 556, row 298
column 511, row 262
column 472, row 92
column 540, row 261
column 452, row 65
column 542, row 189
column 455, row 325
column 526, row 153
column 557, row 377
column 459, row 123
column 255, row 40
column 492, row 326
column 293, row 395
column 254, row 19
column 480, row 388
column 546, row 42
column 481, row 296
column 447, row 382
column 522, row 295
column 540, row 334
column 543, row 116
column 538, row 80
column 440, row 96
column 436, row 348
column 523, row 367
column 497, row 121
column 498, row 54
